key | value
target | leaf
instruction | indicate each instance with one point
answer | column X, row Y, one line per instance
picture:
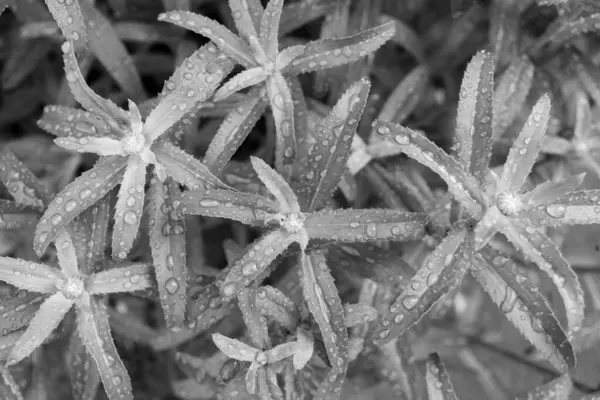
column 405, row 376
column 247, row 208
column 301, row 12
column 14, row 216
column 184, row 168
column 277, row 307
column 358, row 313
column 405, row 97
column 44, row 322
column 10, row 385
column 511, row 93
column 304, row 349
column 517, row 312
column 192, row 83
column 233, row 348
column 66, row 254
column 547, row 256
column 168, row 247
column 17, row 310
column 276, row 184
column 405, row 37
column 256, row 323
column 246, row 16
column 77, row 196
column 227, row 41
column 105, row 109
column 563, row 30
column 28, row 275
column 129, row 207
column 206, row 307
column 70, row 122
column 70, row 21
column 364, row 225
column 439, row 385
column 21, row 183
column 245, row 79
column 103, row 146
column 327, row 158
column 94, row 330
column 474, row 116
column 282, row 106
column 120, row 280
column 82, row 370
column 325, row 305
column 269, row 27
column 576, row 208
column 442, row 270
column 461, row 185
column 95, row 220
column 329, row 53
column 233, row 131
column 557, row 389
column 256, row 261
column 107, row 46
column 525, row 150
column 549, row 191
column 542, row 317
column 504, row 30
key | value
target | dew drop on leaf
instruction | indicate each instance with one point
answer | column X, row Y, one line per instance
column 130, row 217
column 171, row 286
column 556, row 210
column 250, row 269
column 209, row 203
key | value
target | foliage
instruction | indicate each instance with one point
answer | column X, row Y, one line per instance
column 415, row 157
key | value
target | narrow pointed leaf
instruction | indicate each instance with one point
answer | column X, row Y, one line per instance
column 327, row 158
column 103, row 146
column 82, row 370
column 326, row 307
column 247, row 208
column 525, row 150
column 511, row 93
column 442, row 270
column 282, row 106
column 14, row 216
column 556, row 145
column 226, row 40
column 129, row 208
column 119, row 280
column 517, row 312
column 304, row 349
column 405, row 97
column 66, row 253
column 461, row 185
column 563, row 30
column 439, row 385
column 277, row 307
column 192, row 84
column 474, row 118
column 21, row 183
column 70, row 21
column 298, row 13
column 28, row 275
column 11, row 388
column 233, row 131
column 205, row 306
column 365, row 225
column 246, row 16
column 547, row 256
column 77, row 197
column 405, row 37
column 105, row 109
column 300, row 107
column 256, row 261
column 92, row 243
column 48, row 317
column 168, row 246
column 542, row 317
column 233, row 348
column 557, row 389
column 329, row 53
column 405, row 377
column 277, row 186
column 184, row 168
column 576, row 208
column 549, row 191
column 256, row 323
column 18, row 310
column 70, row 122
column 94, row 330
column 241, row 81
column 108, row 48
column 269, row 27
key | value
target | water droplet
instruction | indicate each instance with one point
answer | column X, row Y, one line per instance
column 130, row 201
column 229, row 289
column 84, row 194
column 70, row 205
column 556, row 210
column 410, row 301
column 371, row 230
column 56, row 219
column 171, row 286
column 250, row 269
column 398, row 318
column 130, row 217
column 209, row 203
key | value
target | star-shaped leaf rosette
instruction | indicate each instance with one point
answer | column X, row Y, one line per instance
column 488, row 204
column 269, row 70
column 127, row 145
column 295, row 215
column 74, row 285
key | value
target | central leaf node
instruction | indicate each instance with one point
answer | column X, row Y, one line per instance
column 261, row 358
column 133, row 144
column 508, row 203
column 72, row 288
column 292, row 222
